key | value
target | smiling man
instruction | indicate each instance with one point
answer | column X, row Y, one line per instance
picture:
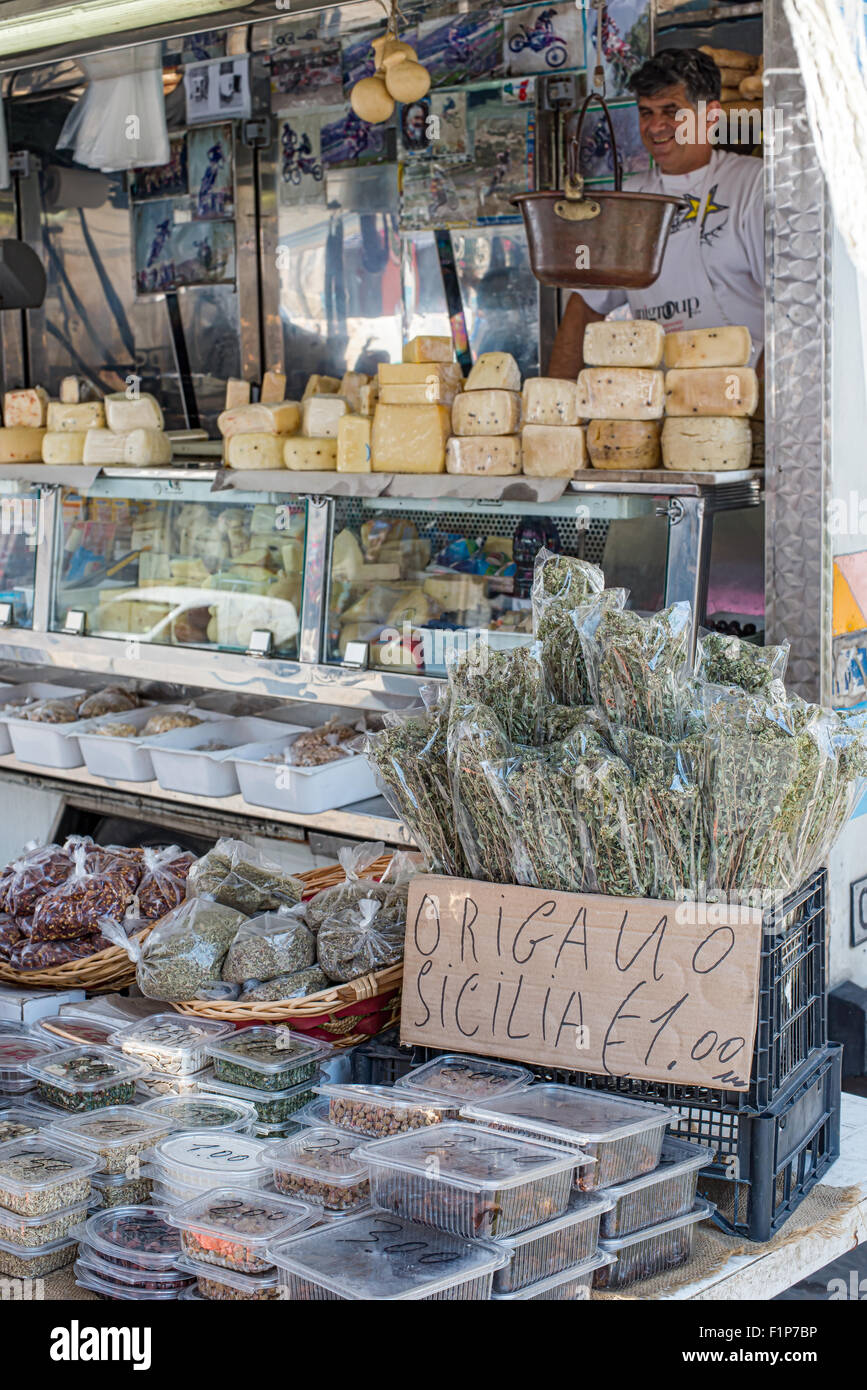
column 713, row 269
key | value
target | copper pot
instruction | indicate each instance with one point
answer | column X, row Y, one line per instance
column 605, row 240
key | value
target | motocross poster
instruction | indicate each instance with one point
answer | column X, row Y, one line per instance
column 309, row 70
column 300, row 171
column 543, row 39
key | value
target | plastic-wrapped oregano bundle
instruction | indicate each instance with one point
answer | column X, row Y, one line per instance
column 723, row 659
column 559, row 721
column 610, row 828
column 511, row 683
column 476, row 738
column 635, row 665
column 562, row 584
column 670, row 805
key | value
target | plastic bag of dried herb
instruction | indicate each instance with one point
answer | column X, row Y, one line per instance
column 276, row 943
column 297, row 985
column 635, row 665
column 723, row 659
column 511, row 683
column 609, row 828
column 359, row 940
column 560, row 721
column 240, row 876
column 389, row 892
column 184, row 952
column 562, row 584
column 842, row 738
column 475, row 739
column 669, row 804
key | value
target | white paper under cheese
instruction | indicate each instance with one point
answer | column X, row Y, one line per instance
column 711, row 391
column 623, row 443
column 486, row 412
column 77, row 418
column 552, row 451
column 255, row 451
column 321, row 386
column 621, row 393
column 320, row 416
column 353, row 444
column 21, row 444
column 708, row 347
column 103, row 447
column 494, row 370
column 26, row 408
column 141, row 412
column 144, row 448
column 550, row 400
column 63, row 446
column 310, row 455
column 426, row 348
column 495, row 456
column 626, row 343
column 273, row 388
column 284, row 418
column 410, row 438
column 705, row 445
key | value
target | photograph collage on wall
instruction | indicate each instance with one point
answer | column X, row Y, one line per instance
column 182, row 213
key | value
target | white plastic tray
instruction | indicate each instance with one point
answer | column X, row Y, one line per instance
column 307, row 790
column 181, row 766
column 126, row 759
column 38, row 747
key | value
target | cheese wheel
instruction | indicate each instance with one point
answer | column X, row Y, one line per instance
column 628, row 343
column 549, row 400
column 21, row 444
column 621, row 393
column 255, row 451
column 146, row 448
column 77, row 418
column 353, row 444
column 273, row 388
column 321, row 386
column 492, row 456
column 752, row 87
column 103, row 447
column 283, row 418
column 410, row 438
column 486, row 412
column 125, row 413
column 705, row 445
column 310, row 455
column 320, row 416
column 552, row 451
column 729, row 94
column 237, row 393
column 63, row 446
column 728, row 346
column 492, row 370
column 623, row 443
column 26, row 408
column 710, row 391
column 426, row 348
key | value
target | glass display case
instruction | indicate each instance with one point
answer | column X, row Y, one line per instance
column 181, row 571
column 21, row 522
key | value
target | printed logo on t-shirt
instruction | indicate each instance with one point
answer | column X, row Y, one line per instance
column 686, row 217
column 685, row 309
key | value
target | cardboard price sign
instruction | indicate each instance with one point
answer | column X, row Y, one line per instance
column 661, row 991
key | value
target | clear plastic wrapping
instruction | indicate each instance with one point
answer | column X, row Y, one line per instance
column 635, row 665
column 358, row 941
column 275, row 943
column 163, row 882
column 239, row 876
column 723, row 659
column 95, row 888
column 185, row 951
column 297, row 985
column 560, row 586
column 476, row 740
column 670, row 810
column 29, row 877
column 511, row 683
column 389, row 892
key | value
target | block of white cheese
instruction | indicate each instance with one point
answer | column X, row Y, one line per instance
column 63, row 446
column 21, row 444
column 711, row 391
column 237, row 393
column 708, row 347
column 623, row 443
column 493, row 370
column 623, row 343
column 552, row 451
column 550, row 400
column 367, row 398
column 486, row 412
column 433, row 392
column 431, row 383
column 621, row 393
column 283, row 418
column 255, row 451
column 273, row 388
column 350, row 389
column 320, row 416
column 77, row 418
column 353, row 444
column 133, row 413
column 425, row 348
column 25, row 408
column 146, row 448
column 310, row 455
column 103, row 447
column 77, row 388
column 321, row 386
column 495, row 456
column 705, row 445
column 410, row 438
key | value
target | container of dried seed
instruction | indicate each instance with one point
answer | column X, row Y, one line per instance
column 272, row 1133
column 266, row 1058
column 270, row 1107
column 232, row 1226
column 203, row 1160
column 547, row 1249
column 373, row 1256
column 35, row 1262
column 17, row 1051
column 38, row 1175
column 203, row 1112
column 67, row 1030
column 170, row 1043
column 30, row 1231
column 569, row 1284
column 87, row 1278
column 466, row 1078
column 116, row 1135
column 157, row 1083
column 469, row 1181
column 315, row 1114
column 377, row 1111
column 132, row 1237
column 667, row 1191
column 321, row 1166
column 18, row 1120
column 118, row 1190
column 652, row 1250
column 230, row 1286
column 85, row 1078
column 623, row 1136
column 149, row 1280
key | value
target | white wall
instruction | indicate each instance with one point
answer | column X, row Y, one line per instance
column 26, row 814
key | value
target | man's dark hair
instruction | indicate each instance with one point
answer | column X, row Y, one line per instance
column 698, row 73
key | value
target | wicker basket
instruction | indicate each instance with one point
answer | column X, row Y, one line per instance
column 101, row 973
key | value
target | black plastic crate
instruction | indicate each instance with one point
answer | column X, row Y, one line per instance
column 380, row 1062
column 765, row 1165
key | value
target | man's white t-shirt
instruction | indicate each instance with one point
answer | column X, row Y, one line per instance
column 729, row 249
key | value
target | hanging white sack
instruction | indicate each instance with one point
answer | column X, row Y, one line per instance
column 120, row 121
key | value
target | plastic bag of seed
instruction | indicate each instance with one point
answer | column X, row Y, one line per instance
column 184, row 953
column 389, row 892
column 90, row 892
column 723, row 659
column 360, row 939
column 36, row 872
column 240, row 876
column 276, row 943
column 163, row 882
column 562, row 584
column 636, row 665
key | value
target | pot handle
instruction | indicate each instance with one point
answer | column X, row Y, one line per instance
column 575, row 125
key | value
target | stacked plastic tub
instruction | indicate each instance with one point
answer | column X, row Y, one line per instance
column 115, row 1137
column 270, row 1068
column 172, row 1051
column 225, row 1235
column 45, row 1192
column 130, row 1253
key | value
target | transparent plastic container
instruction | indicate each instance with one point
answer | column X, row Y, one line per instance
column 466, row 1078
column 230, row 1285
column 16, row 1121
column 36, row 1261
column 116, row 1135
column 667, row 1245
column 657, row 1196
column 285, row 1130
column 270, row 1107
column 266, row 1058
column 323, row 1167
column 72, row 1030
column 158, row 1083
column 17, row 1051
column 133, row 1237
column 380, row 1111
column 233, row 1226
column 38, row 1175
column 86, row 1279
column 203, row 1112
column 469, row 1181
column 118, row 1190
column 377, row 1257
column 170, row 1043
column 315, row 1114
column 568, row 1284
column 203, row 1160
column 85, row 1078
column 568, row 1240
column 29, row 1231
column 623, row 1136
column 148, row 1280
